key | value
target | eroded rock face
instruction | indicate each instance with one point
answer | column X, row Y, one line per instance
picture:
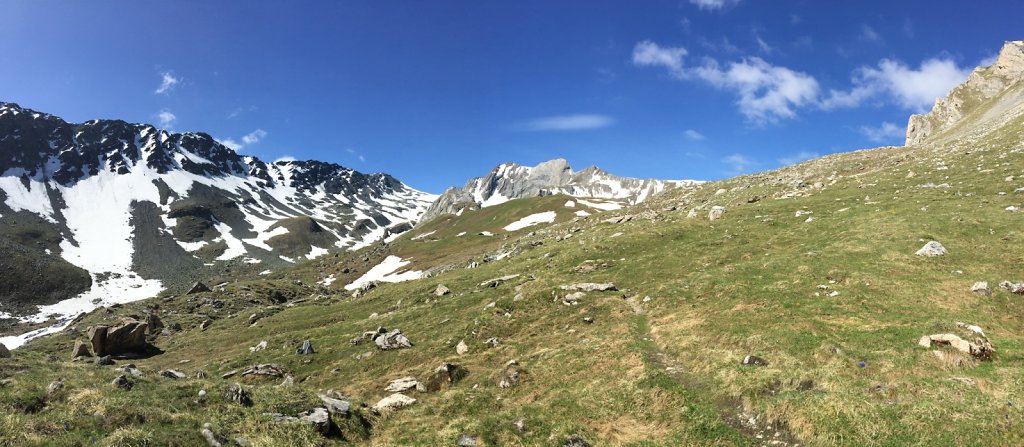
column 127, row 337
column 982, row 84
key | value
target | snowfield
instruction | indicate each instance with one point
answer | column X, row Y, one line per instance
column 385, row 272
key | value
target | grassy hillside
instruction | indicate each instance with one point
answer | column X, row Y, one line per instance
column 834, row 304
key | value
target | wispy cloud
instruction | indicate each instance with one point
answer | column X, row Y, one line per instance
column 254, row 137
column 166, row 119
column 714, row 5
column 884, row 133
column 798, row 157
column 868, row 34
column 739, row 163
column 247, row 140
column 650, row 54
column 762, row 45
column 241, row 110
column 167, row 83
column 568, row 122
column 356, row 154
column 284, row 158
column 693, row 135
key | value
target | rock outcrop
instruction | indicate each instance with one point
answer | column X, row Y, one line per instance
column 127, row 337
column 982, row 84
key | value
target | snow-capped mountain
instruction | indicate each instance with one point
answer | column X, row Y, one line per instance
column 513, row 181
column 121, row 211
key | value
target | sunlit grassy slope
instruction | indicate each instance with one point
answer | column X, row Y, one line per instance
column 659, row 365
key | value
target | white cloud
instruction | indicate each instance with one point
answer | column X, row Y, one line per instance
column 231, row 144
column 766, row 92
column 867, row 33
column 356, row 154
column 712, row 5
column 911, row 89
column 568, row 122
column 247, row 140
column 694, row 135
column 650, row 54
column 254, row 137
column 738, row 163
column 762, row 45
column 884, row 133
column 167, row 119
column 798, row 157
column 168, row 83
column 241, row 110
column 284, row 158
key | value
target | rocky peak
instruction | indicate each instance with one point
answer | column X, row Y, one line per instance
column 983, row 84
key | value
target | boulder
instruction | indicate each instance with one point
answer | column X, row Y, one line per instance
column 80, row 350
column 1013, row 287
column 392, row 402
column 932, row 248
column 441, row 290
column 4, row 352
column 337, row 407
column 127, row 337
column 716, row 212
column 305, row 349
column 462, row 348
column 391, row 340
column 589, row 287
column 266, row 370
column 447, row 374
column 130, row 369
column 980, row 348
column 981, row 288
column 404, row 384
column 319, row 419
column 198, row 287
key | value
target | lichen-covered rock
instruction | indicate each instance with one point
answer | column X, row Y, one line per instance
column 932, row 248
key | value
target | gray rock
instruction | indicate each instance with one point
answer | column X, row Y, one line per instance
column 172, row 374
column 127, row 337
column 391, row 340
column 981, row 288
column 55, row 386
column 198, row 287
column 4, row 352
column 1013, row 287
column 448, row 374
column 462, row 348
column 404, row 384
column 441, row 290
column 520, row 425
column 466, row 441
column 104, row 361
column 337, row 407
column 319, row 419
column 573, row 298
column 265, row 369
column 306, row 348
column 80, row 350
column 498, row 281
column 393, row 402
column 576, row 441
column 493, row 342
column 932, row 248
column 211, row 439
column 753, row 360
column 130, row 369
column 239, row 395
column 589, row 287
column 123, row 383
column 716, row 213
column 511, row 375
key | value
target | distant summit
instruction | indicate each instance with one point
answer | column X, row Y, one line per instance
column 510, row 181
column 967, row 107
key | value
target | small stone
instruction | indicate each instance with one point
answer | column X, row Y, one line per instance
column 981, row 288
column 589, row 287
column 573, row 298
column 306, row 348
column 932, row 248
column 588, row 320
column 520, row 425
column 1013, row 287
column 466, row 441
column 123, row 383
column 393, row 402
column 716, row 213
column 441, row 290
column 209, row 436
column 462, row 348
column 172, row 374
column 205, row 324
column 404, row 384
column 511, row 375
column 239, row 395
column 493, row 342
column 104, row 361
column 754, row 360
column 55, row 386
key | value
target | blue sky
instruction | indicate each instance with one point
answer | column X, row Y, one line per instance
column 436, row 92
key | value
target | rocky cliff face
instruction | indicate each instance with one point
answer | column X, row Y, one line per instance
column 983, row 84
column 513, row 181
column 134, row 209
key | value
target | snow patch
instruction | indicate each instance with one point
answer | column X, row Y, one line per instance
column 533, row 219
column 385, row 272
column 604, row 206
column 582, row 213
